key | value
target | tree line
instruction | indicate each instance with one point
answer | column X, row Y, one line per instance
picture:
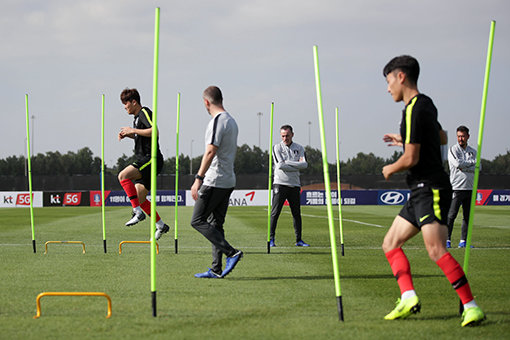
column 248, row 161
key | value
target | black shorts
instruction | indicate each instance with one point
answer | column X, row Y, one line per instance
column 427, row 204
column 143, row 164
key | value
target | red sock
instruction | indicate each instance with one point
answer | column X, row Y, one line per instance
column 401, row 269
column 130, row 190
column 456, row 276
column 146, row 206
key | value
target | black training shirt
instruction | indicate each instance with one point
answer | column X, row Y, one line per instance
column 143, row 144
column 419, row 125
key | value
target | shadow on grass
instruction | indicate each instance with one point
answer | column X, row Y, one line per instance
column 324, row 277
column 455, row 317
column 286, row 253
column 439, row 317
column 270, row 278
column 386, row 276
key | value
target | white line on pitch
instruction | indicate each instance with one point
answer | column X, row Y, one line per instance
column 344, row 219
column 495, row 226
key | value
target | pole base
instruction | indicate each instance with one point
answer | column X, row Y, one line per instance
column 340, row 308
column 33, row 245
column 154, row 312
column 343, row 254
column 104, row 246
column 268, row 248
column 176, row 246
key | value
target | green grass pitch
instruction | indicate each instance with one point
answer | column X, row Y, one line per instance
column 288, row 294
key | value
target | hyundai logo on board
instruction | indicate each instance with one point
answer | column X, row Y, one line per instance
column 392, row 197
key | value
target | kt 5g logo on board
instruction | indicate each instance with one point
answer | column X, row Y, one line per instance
column 65, row 199
column 72, row 198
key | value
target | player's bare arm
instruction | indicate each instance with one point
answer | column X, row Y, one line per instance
column 130, row 132
column 207, row 158
column 409, row 159
column 394, row 139
column 443, row 137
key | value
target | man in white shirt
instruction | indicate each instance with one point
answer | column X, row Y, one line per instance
column 462, row 161
column 289, row 158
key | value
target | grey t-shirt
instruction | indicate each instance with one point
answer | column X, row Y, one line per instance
column 222, row 132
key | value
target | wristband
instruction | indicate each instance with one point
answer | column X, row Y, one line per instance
column 197, row 176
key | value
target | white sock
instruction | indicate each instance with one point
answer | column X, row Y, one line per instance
column 138, row 210
column 408, row 294
column 160, row 224
column 470, row 304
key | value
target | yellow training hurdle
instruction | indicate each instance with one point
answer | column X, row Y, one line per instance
column 65, row 242
column 123, row 242
column 38, row 300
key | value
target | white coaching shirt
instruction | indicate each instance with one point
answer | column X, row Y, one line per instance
column 462, row 167
column 288, row 161
column 222, row 132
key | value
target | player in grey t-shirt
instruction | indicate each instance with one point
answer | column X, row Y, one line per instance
column 289, row 158
column 214, row 182
column 222, row 133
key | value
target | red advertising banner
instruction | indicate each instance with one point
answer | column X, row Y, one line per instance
column 23, row 199
column 95, row 197
column 72, row 198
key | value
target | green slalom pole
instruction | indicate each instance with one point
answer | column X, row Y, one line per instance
column 479, row 150
column 327, row 184
column 339, row 190
column 270, row 177
column 102, row 173
column 154, row 159
column 29, row 174
column 480, row 138
column 177, row 168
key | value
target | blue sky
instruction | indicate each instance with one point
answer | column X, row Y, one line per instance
column 65, row 55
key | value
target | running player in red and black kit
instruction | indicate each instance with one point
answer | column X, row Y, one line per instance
column 431, row 192
column 136, row 177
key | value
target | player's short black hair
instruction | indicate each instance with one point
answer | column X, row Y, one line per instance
column 128, row 95
column 213, row 95
column 287, row 127
column 463, row 128
column 405, row 63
